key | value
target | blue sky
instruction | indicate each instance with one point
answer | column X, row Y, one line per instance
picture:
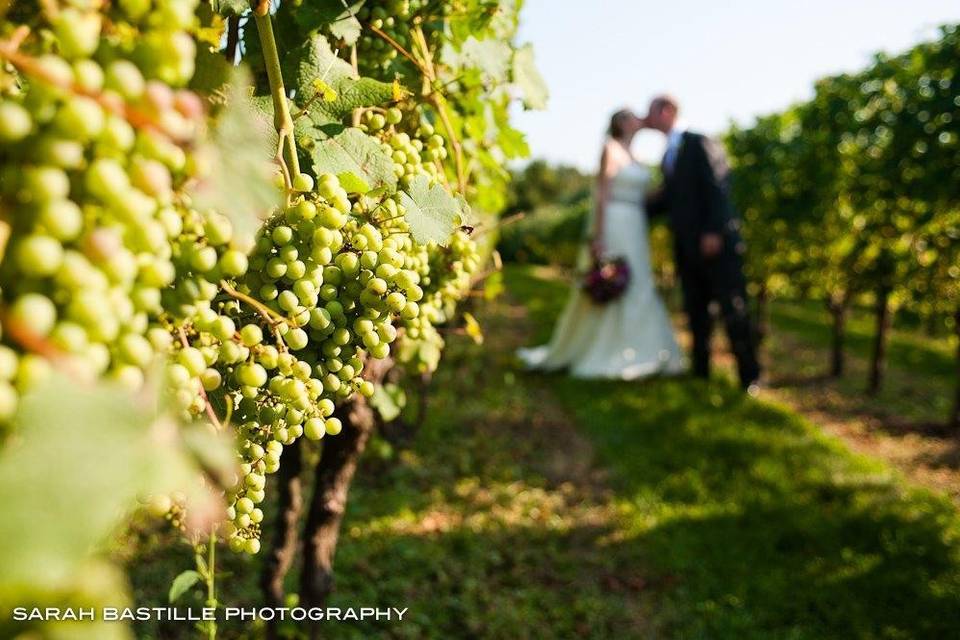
column 724, row 60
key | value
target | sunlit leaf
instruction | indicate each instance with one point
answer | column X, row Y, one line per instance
column 492, row 57
column 181, row 584
column 348, row 152
column 229, row 7
column 338, row 16
column 528, row 79
column 238, row 182
column 343, row 90
column 431, row 213
column 472, row 328
column 389, row 400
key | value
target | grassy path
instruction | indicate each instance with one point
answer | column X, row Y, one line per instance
column 541, row 507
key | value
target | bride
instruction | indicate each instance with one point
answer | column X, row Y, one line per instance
column 630, row 337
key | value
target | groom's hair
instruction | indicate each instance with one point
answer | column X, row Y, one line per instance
column 665, row 100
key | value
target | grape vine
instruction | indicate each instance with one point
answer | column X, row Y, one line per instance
column 135, row 237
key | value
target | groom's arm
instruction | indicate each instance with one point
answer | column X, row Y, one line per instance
column 712, row 172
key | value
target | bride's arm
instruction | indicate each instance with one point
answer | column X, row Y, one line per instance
column 603, row 193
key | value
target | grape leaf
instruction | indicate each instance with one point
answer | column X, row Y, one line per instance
column 82, row 457
column 229, row 7
column 528, row 79
column 389, row 400
column 315, row 60
column 472, row 328
column 212, row 71
column 242, row 145
column 181, row 584
column 430, row 211
column 353, row 156
column 492, row 57
column 340, row 18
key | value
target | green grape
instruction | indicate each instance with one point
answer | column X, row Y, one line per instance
column 39, row 255
column 35, row 313
column 15, row 122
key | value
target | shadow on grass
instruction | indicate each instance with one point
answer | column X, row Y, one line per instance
column 542, row 507
column 905, row 350
column 772, row 529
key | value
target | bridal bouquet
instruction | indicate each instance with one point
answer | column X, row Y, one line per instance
column 607, row 279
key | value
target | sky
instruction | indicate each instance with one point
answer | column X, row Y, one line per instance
column 724, row 61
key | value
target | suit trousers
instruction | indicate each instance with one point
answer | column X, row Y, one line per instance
column 719, row 279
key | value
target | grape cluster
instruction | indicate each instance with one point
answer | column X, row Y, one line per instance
column 109, row 268
column 93, row 210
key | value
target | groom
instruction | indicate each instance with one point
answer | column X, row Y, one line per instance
column 707, row 242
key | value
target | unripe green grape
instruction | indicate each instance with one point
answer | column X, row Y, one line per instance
column 78, row 32
column 34, row 312
column 39, row 255
column 269, row 357
column 377, row 286
column 244, row 505
column 8, row 363
column 117, row 133
column 123, row 77
column 251, row 335
column 82, row 117
column 251, row 374
column 44, row 184
column 276, row 268
column 387, row 272
column 32, row 371
column 288, row 300
column 396, row 301
column 223, row 328
column 15, row 122
column 159, row 505
column 333, row 426
column 380, row 351
column 233, row 263
column 88, row 75
column 297, row 339
column 61, row 218
column 60, row 152
column 135, row 349
column 314, row 428
column 211, row 379
column 296, row 269
column 349, row 264
column 331, row 217
column 303, row 182
column 204, row 259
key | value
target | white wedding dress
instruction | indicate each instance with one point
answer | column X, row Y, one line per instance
column 630, row 337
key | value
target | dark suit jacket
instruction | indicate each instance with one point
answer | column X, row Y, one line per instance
column 696, row 195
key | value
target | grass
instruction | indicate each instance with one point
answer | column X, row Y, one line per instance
column 771, row 529
column 537, row 506
column 921, row 375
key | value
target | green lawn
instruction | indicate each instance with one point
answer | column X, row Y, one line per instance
column 534, row 506
column 770, row 529
column 921, row 375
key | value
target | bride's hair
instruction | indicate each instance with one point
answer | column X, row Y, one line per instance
column 618, row 123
